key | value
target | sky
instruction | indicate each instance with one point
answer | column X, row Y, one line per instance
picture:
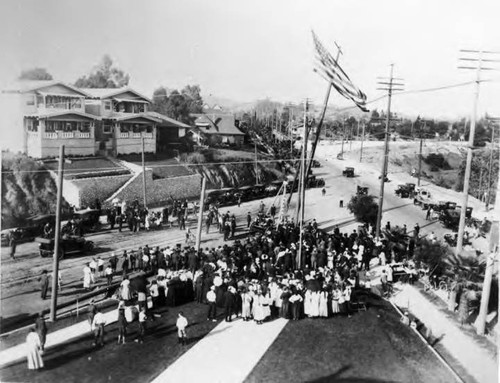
column 248, row 50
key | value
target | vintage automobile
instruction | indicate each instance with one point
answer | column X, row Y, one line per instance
column 450, row 218
column 405, row 191
column 315, row 164
column 33, row 228
column 88, row 219
column 314, row 182
column 362, row 190
column 69, row 245
column 348, row 172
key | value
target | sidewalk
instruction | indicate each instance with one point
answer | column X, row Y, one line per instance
column 227, row 354
column 54, row 339
column 477, row 361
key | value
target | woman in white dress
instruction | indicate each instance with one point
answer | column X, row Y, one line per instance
column 307, row 303
column 323, row 304
column 33, row 350
column 258, row 308
column 125, row 289
column 335, row 301
column 87, row 276
column 314, row 304
column 246, row 305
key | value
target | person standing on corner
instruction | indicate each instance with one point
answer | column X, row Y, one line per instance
column 249, row 219
column 98, row 325
column 181, row 324
column 212, row 308
column 44, row 284
column 12, row 244
column 33, row 349
column 41, row 329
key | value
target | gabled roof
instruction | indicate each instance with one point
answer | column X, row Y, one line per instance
column 167, row 121
column 62, row 113
column 25, row 86
column 104, row 93
column 131, row 116
column 223, row 124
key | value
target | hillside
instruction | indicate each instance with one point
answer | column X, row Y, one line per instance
column 27, row 190
column 232, row 168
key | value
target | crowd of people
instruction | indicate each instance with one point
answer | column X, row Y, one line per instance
column 260, row 277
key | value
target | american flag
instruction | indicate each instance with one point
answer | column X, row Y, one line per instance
column 328, row 68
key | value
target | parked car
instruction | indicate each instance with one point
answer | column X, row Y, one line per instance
column 88, row 219
column 28, row 233
column 348, row 172
column 362, row 190
column 69, row 245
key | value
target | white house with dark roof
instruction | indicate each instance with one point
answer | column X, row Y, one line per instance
column 50, row 114
column 213, row 129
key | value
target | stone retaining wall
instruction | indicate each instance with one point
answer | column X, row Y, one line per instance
column 159, row 191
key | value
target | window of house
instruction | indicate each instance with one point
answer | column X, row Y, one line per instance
column 39, row 100
column 49, row 126
column 106, row 128
column 107, row 105
column 85, row 127
column 30, row 100
column 68, row 127
column 76, row 103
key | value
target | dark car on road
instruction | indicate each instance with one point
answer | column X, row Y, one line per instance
column 70, row 245
column 348, row 172
column 361, row 190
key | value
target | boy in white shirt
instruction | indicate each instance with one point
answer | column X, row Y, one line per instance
column 181, row 324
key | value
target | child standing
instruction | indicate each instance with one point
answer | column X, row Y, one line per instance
column 181, row 324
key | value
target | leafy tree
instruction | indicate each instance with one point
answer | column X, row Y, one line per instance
column 35, row 74
column 178, row 107
column 193, row 98
column 364, row 208
column 433, row 254
column 104, row 75
column 160, row 100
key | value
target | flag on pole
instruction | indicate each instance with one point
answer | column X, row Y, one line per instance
column 330, row 70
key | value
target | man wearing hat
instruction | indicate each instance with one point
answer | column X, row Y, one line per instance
column 212, row 308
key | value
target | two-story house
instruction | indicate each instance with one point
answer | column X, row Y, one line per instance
column 51, row 114
column 124, row 121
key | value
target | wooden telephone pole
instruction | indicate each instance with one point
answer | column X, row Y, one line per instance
column 478, row 59
column 390, row 86
column 57, row 237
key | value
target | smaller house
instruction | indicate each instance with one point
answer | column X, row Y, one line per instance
column 168, row 131
column 216, row 129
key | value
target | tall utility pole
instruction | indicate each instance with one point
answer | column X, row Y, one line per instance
column 343, row 134
column 302, row 186
column 362, row 140
column 490, row 166
column 143, row 177
column 390, row 87
column 420, row 152
column 255, row 165
column 200, row 214
column 478, row 60
column 57, row 237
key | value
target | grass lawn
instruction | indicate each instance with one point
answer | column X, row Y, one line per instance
column 87, row 165
column 166, row 168
column 371, row 346
column 78, row 361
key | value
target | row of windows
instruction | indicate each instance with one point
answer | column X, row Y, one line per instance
column 67, row 126
column 56, row 102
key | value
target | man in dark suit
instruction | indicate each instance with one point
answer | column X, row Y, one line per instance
column 229, row 302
